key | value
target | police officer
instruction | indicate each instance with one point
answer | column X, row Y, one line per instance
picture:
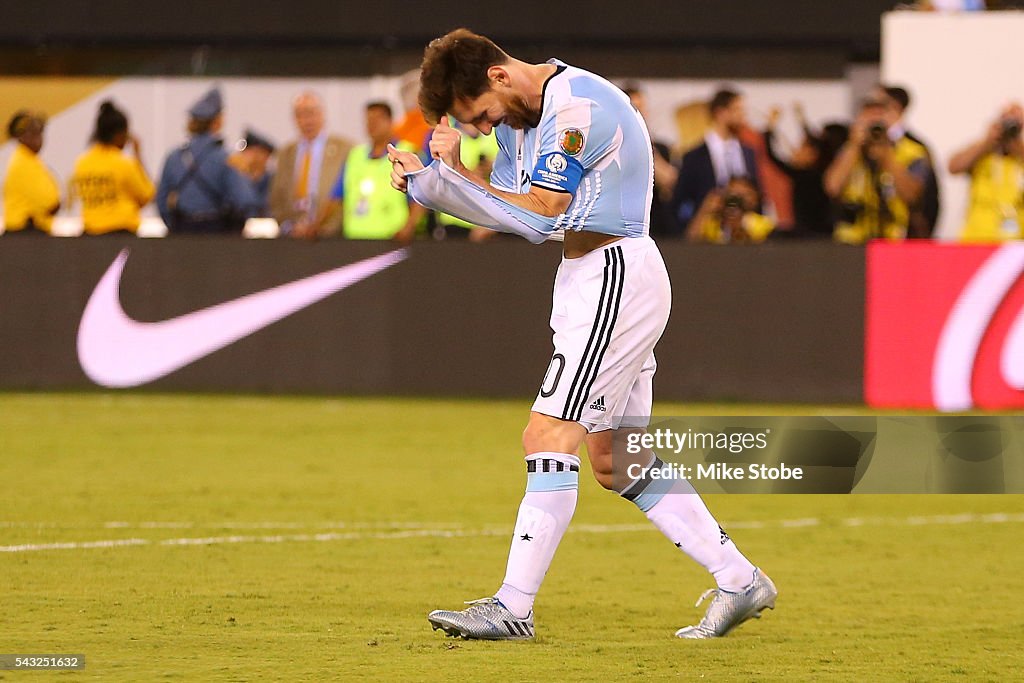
column 199, row 191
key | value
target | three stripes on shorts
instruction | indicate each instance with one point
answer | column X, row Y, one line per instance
column 600, row 334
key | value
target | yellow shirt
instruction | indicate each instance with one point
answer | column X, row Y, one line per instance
column 756, row 226
column 996, row 209
column 877, row 216
column 30, row 191
column 112, row 187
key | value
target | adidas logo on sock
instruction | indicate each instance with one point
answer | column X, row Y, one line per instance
column 598, row 404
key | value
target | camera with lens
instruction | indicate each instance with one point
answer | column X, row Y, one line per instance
column 878, row 132
column 1011, row 129
column 849, row 212
column 735, row 202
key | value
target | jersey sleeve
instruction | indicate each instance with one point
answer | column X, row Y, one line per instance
column 503, row 172
column 577, row 137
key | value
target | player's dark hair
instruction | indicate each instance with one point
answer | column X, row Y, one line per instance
column 382, row 106
column 722, row 100
column 109, row 123
column 455, row 68
column 899, row 95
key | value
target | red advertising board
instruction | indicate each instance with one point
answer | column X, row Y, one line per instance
column 944, row 326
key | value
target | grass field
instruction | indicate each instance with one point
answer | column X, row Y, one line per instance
column 304, row 539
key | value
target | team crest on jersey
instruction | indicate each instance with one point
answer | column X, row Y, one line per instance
column 571, row 141
column 556, row 163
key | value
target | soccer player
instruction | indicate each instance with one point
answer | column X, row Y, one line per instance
column 573, row 155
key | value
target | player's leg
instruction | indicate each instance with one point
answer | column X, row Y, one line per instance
column 580, row 319
column 602, row 303
column 552, row 480
column 678, row 511
column 673, row 506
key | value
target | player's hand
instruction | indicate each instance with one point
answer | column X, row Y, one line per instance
column 402, row 162
column 445, row 144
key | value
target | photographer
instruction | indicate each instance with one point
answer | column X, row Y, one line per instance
column 729, row 215
column 996, row 166
column 876, row 180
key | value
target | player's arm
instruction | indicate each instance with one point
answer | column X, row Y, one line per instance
column 444, row 145
column 544, row 202
column 442, row 188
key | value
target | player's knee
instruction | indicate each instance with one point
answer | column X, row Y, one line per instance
column 601, row 466
column 549, row 434
column 599, row 450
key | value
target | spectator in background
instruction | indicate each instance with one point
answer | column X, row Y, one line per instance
column 812, row 208
column 721, row 157
column 198, row 191
column 370, row 208
column 306, row 169
column 951, row 5
column 252, row 160
column 112, row 186
column 31, row 192
column 666, row 175
column 412, row 128
column 924, row 216
column 730, row 215
column 996, row 166
column 875, row 179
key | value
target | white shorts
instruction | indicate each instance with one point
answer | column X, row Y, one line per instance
column 608, row 311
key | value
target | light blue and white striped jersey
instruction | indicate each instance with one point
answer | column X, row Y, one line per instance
column 591, row 143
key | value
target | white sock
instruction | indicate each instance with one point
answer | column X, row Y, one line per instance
column 679, row 513
column 548, row 505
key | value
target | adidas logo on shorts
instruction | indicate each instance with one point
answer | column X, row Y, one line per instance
column 598, row 404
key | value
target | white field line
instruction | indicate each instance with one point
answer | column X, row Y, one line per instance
column 231, row 525
column 384, row 531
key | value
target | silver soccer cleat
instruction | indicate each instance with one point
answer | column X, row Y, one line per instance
column 484, row 619
column 729, row 610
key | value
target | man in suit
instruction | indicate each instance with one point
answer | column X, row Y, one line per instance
column 306, row 169
column 714, row 163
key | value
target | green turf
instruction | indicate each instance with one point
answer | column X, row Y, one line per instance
column 884, row 601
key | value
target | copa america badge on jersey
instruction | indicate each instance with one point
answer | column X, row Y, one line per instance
column 571, row 141
column 556, row 163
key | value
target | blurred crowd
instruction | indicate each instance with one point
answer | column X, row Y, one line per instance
column 850, row 181
column 962, row 5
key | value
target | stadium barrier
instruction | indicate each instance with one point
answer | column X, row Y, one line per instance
column 945, row 326
column 775, row 323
